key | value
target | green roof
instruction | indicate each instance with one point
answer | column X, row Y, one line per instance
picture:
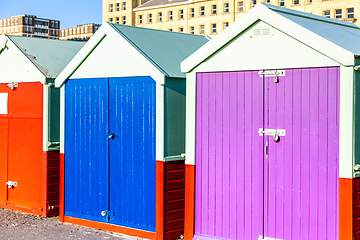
column 49, row 55
column 165, row 49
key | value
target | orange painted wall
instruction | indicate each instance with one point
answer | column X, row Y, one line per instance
column 22, row 157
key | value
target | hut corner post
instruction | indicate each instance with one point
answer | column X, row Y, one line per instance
column 189, row 228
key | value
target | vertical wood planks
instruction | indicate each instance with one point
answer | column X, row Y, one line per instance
column 223, row 145
column 299, row 180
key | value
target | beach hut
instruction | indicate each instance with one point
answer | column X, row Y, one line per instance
column 123, row 132
column 29, row 122
column 272, row 129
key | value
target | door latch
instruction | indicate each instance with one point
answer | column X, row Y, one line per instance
column 11, row 184
column 271, row 132
column 111, row 136
column 105, row 213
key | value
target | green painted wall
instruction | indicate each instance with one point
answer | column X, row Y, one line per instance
column 54, row 114
column 174, row 114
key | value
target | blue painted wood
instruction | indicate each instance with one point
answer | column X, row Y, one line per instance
column 86, row 148
column 132, row 152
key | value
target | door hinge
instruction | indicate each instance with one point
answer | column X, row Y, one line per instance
column 13, row 85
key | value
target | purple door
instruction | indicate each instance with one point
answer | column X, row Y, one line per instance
column 229, row 156
column 301, row 170
column 249, row 186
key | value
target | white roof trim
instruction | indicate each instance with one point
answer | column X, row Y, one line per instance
column 28, row 63
column 263, row 13
column 81, row 56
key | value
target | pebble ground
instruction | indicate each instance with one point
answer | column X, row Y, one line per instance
column 16, row 225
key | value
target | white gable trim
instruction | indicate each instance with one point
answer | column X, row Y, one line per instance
column 262, row 13
column 28, row 64
column 81, row 56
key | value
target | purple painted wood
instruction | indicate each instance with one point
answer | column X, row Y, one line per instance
column 292, row 194
column 229, row 163
column 302, row 192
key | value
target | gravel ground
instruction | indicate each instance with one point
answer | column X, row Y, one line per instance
column 15, row 225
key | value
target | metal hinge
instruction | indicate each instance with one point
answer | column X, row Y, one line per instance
column 11, row 184
column 13, row 85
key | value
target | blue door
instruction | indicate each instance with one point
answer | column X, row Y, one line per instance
column 110, row 151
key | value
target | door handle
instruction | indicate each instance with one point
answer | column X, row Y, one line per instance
column 111, row 136
column 11, row 184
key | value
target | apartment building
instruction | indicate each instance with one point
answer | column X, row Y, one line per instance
column 30, row 26
column 212, row 16
column 80, row 32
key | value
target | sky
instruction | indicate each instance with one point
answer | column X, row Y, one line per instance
column 70, row 12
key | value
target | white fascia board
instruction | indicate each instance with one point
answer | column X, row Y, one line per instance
column 28, row 64
column 81, row 56
column 262, row 13
column 346, row 122
column 307, row 37
column 190, row 129
column 62, row 119
column 45, row 117
column 218, row 41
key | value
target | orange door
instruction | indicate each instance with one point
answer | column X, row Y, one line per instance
column 3, row 140
column 25, row 165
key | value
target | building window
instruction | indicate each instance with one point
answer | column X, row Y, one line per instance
column 213, row 9
column 326, row 13
column 202, row 29
column 192, row 30
column 225, row 25
column 181, row 13
column 140, row 19
column 240, row 6
column 350, row 13
column 202, row 11
column 181, row 29
column 226, row 7
column 12, row 21
column 149, row 18
column 338, row 13
column 124, row 5
column 170, row 29
column 213, row 28
column 253, row 3
column 56, row 24
column 281, row 3
column 117, row 7
column 170, row 15
column 192, row 12
column 159, row 16
column 111, row 7
column 110, row 20
column 16, row 21
column 0, row 23
column 124, row 20
column 117, row 20
column 26, row 20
